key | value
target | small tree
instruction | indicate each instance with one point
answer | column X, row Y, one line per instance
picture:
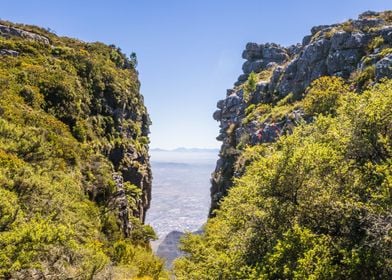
column 250, row 86
column 133, row 59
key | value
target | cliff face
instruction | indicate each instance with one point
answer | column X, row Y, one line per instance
column 303, row 182
column 359, row 51
column 74, row 158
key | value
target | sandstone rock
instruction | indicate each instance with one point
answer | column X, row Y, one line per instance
column 345, row 61
column 275, row 78
column 243, row 78
column 120, row 202
column 386, row 33
column 344, row 40
column 232, row 101
column 229, row 92
column 309, row 65
column 316, row 51
column 217, row 115
column 384, row 68
column 8, row 31
column 9, row 52
column 294, row 49
column 271, row 65
column 221, row 137
column 367, row 23
column 318, row 28
column 315, row 71
column 254, row 66
column 329, row 50
column 306, row 40
column 220, row 104
column 276, row 53
column 368, row 14
column 262, row 86
column 252, row 51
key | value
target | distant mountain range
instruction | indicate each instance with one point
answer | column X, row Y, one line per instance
column 188, row 150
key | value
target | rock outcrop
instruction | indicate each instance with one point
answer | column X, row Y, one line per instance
column 384, row 68
column 8, row 31
column 356, row 48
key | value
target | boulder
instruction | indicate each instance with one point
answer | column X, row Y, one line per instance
column 217, row 115
column 274, row 52
column 220, row 104
column 232, row 101
column 268, row 52
column 384, row 68
column 254, row 66
column 253, row 51
column 344, row 40
column 316, row 51
column 345, row 61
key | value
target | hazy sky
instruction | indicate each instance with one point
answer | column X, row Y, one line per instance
column 189, row 52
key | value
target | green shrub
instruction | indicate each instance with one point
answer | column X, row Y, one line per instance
column 365, row 77
column 57, row 215
column 79, row 131
column 348, row 26
column 376, row 43
column 250, row 86
column 313, row 205
column 323, row 95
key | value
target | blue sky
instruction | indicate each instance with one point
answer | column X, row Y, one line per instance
column 189, row 52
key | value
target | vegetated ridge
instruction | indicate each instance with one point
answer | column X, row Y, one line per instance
column 75, row 177
column 302, row 189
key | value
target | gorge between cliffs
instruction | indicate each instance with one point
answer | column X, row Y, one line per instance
column 299, row 189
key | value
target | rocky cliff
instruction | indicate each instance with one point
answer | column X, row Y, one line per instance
column 302, row 187
column 359, row 51
column 75, row 176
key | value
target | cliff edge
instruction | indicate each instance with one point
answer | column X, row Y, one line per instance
column 75, row 176
column 358, row 51
column 302, row 187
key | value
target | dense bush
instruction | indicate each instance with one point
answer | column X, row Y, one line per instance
column 57, row 126
column 314, row 205
column 323, row 95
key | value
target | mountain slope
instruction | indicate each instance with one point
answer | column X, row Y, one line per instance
column 75, row 177
column 302, row 189
column 359, row 51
